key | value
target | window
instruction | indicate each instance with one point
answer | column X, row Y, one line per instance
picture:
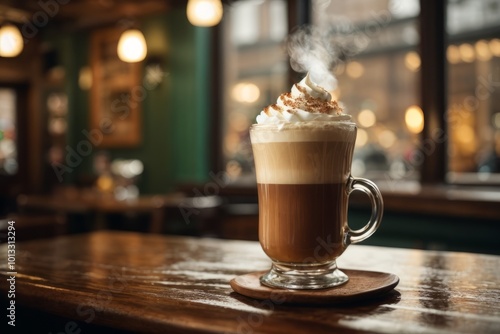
column 255, row 73
column 8, row 132
column 473, row 115
column 378, row 67
column 377, row 70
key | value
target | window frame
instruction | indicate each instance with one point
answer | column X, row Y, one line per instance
column 433, row 91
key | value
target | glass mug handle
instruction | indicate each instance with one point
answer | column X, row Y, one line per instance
column 370, row 189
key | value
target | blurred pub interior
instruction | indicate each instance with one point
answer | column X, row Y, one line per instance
column 89, row 139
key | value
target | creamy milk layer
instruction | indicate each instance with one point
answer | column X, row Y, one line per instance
column 304, row 138
column 303, row 153
column 303, row 131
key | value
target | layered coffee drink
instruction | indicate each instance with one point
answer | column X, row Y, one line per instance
column 302, row 173
column 303, row 147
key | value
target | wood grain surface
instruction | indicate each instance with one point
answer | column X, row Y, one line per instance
column 153, row 283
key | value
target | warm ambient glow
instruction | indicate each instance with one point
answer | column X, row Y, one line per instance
column 104, row 183
column 496, row 120
column 361, row 138
column 483, row 50
column 85, row 78
column 246, row 92
column 495, row 47
column 412, row 61
column 366, row 118
column 204, row 13
column 11, row 41
column 453, row 54
column 355, row 69
column 467, row 53
column 386, row 138
column 132, row 46
column 335, row 94
column 414, row 119
column 466, row 134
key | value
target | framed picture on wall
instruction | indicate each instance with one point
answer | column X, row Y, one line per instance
column 116, row 93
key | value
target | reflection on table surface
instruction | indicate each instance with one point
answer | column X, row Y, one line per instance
column 154, row 283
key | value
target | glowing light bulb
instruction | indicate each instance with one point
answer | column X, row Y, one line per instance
column 132, row 46
column 11, row 41
column 204, row 13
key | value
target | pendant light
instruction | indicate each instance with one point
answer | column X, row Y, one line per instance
column 204, row 13
column 132, row 46
column 11, row 41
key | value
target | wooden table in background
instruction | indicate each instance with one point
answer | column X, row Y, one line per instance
column 120, row 281
column 99, row 204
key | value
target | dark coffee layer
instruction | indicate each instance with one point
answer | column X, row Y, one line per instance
column 302, row 223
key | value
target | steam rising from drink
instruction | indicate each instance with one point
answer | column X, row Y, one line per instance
column 310, row 51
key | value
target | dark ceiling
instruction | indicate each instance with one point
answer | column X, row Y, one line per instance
column 82, row 14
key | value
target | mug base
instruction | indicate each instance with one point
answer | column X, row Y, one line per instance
column 291, row 276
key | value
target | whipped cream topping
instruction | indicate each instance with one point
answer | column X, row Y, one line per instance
column 305, row 102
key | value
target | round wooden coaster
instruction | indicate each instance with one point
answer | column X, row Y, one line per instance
column 361, row 285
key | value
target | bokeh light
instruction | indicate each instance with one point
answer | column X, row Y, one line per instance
column 412, row 61
column 85, row 78
column 467, row 54
column 414, row 119
column 238, row 122
column 466, row 134
column 496, row 120
column 483, row 50
column 366, row 118
column 386, row 138
column 355, row 69
column 453, row 54
column 361, row 138
column 494, row 45
column 246, row 92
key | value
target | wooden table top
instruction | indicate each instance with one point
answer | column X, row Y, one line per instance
column 155, row 283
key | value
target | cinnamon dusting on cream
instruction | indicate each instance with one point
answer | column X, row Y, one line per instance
column 306, row 102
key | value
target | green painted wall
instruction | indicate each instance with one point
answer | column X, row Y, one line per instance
column 431, row 232
column 175, row 114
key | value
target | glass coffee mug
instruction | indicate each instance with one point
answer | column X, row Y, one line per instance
column 304, row 182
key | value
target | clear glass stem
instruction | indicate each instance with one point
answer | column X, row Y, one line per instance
column 304, row 276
